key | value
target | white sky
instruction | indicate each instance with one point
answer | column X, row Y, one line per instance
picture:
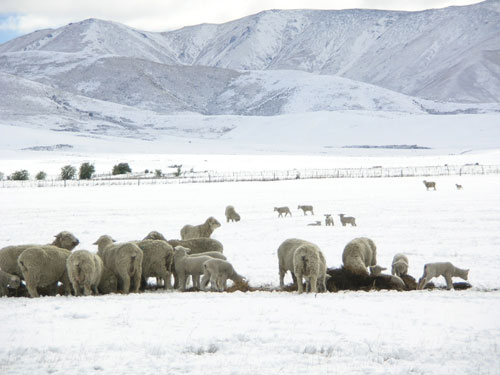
column 23, row 16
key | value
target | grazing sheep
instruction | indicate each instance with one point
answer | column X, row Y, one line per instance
column 315, row 224
column 282, row 210
column 308, row 264
column 306, row 209
column 8, row 281
column 399, row 265
column 445, row 269
column 123, row 259
column 186, row 266
column 198, row 245
column 358, row 254
column 109, row 282
column 329, row 220
column 9, row 254
column 156, row 261
column 84, row 271
column 200, row 231
column 429, row 184
column 459, row 187
column 44, row 266
column 231, row 214
column 376, row 270
column 347, row 220
column 217, row 271
column 155, row 235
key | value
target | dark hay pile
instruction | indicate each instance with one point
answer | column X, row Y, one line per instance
column 456, row 286
column 410, row 282
column 343, row 279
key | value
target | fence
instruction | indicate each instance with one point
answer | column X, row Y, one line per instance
column 278, row 175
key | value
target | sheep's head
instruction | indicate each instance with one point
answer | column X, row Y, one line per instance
column 103, row 241
column 14, row 282
column 376, row 270
column 65, row 240
column 213, row 223
column 181, row 251
column 155, row 235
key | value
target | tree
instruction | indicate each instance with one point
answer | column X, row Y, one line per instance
column 68, row 172
column 121, row 168
column 1, row 176
column 86, row 171
column 178, row 172
column 20, row 175
column 158, row 173
column 41, row 175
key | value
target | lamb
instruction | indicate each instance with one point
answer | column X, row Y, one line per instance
column 429, row 184
column 44, row 266
column 217, row 271
column 329, row 220
column 347, row 220
column 308, row 264
column 9, row 254
column 211, row 254
column 358, row 254
column 123, row 259
column 231, row 214
column 8, row 280
column 186, row 265
column 199, row 245
column 399, row 265
column 282, row 210
column 445, row 269
column 306, row 209
column 200, row 231
column 459, row 187
column 157, row 261
column 84, row 271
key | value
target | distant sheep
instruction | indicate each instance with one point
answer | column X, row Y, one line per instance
column 329, row 220
column 84, row 271
column 445, row 269
column 306, row 209
column 123, row 259
column 315, row 224
column 231, row 214
column 308, row 264
column 204, row 230
column 44, row 266
column 199, row 245
column 347, row 220
column 8, row 281
column 156, row 261
column 399, row 265
column 186, row 266
column 459, row 187
column 155, row 235
column 217, row 271
column 429, row 185
column 282, row 210
column 359, row 254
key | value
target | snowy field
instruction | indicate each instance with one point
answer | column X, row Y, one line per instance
column 418, row 332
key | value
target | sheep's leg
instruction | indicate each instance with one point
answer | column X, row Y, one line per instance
column 86, row 289
column 182, row 281
column 282, row 277
column 76, row 288
column 126, row 283
column 449, row 283
column 313, row 281
column 168, row 280
column 94, row 290
column 294, row 278
column 300, row 287
column 31, row 286
column 205, row 280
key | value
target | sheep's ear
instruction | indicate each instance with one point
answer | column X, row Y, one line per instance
column 113, row 240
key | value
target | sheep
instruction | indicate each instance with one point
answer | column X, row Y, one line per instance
column 123, row 259
column 217, row 271
column 358, row 254
column 186, row 265
column 308, row 264
column 429, row 184
column 200, row 231
column 347, row 220
column 156, row 261
column 459, row 187
column 306, row 209
column 231, row 214
column 44, row 266
column 84, row 271
column 329, row 220
column 155, row 235
column 285, row 261
column 445, row 269
column 315, row 224
column 109, row 282
column 198, row 245
column 9, row 254
column 211, row 254
column 8, row 280
column 399, row 265
column 376, row 270
column 282, row 210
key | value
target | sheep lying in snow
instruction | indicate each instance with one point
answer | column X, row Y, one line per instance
column 9, row 254
column 358, row 254
column 84, row 271
column 399, row 265
column 123, row 259
column 445, row 269
column 306, row 209
column 329, row 219
column 347, row 220
column 156, row 261
column 185, row 266
column 200, row 231
column 429, row 185
column 44, row 266
column 217, row 271
column 282, row 210
column 307, row 263
column 231, row 214
column 199, row 245
column 8, row 280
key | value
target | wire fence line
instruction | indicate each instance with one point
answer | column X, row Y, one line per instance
column 277, row 175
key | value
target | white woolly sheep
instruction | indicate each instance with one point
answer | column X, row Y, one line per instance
column 109, row 282
column 358, row 254
column 188, row 266
column 198, row 245
column 204, row 230
column 123, row 259
column 329, row 220
column 306, row 209
column 8, row 281
column 282, row 210
column 9, row 254
column 231, row 214
column 399, row 265
column 308, row 264
column 217, row 271
column 157, row 261
column 429, row 185
column 211, row 254
column 44, row 266
column 84, row 271
column 347, row 220
column 445, row 269
column 155, row 235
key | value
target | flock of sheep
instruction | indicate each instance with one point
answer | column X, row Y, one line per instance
column 125, row 267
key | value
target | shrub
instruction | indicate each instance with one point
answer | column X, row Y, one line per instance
column 41, row 175
column 86, row 171
column 178, row 172
column 1, row 176
column 68, row 172
column 158, row 173
column 121, row 168
column 20, row 175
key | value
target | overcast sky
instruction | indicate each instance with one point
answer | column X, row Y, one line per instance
column 18, row 17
